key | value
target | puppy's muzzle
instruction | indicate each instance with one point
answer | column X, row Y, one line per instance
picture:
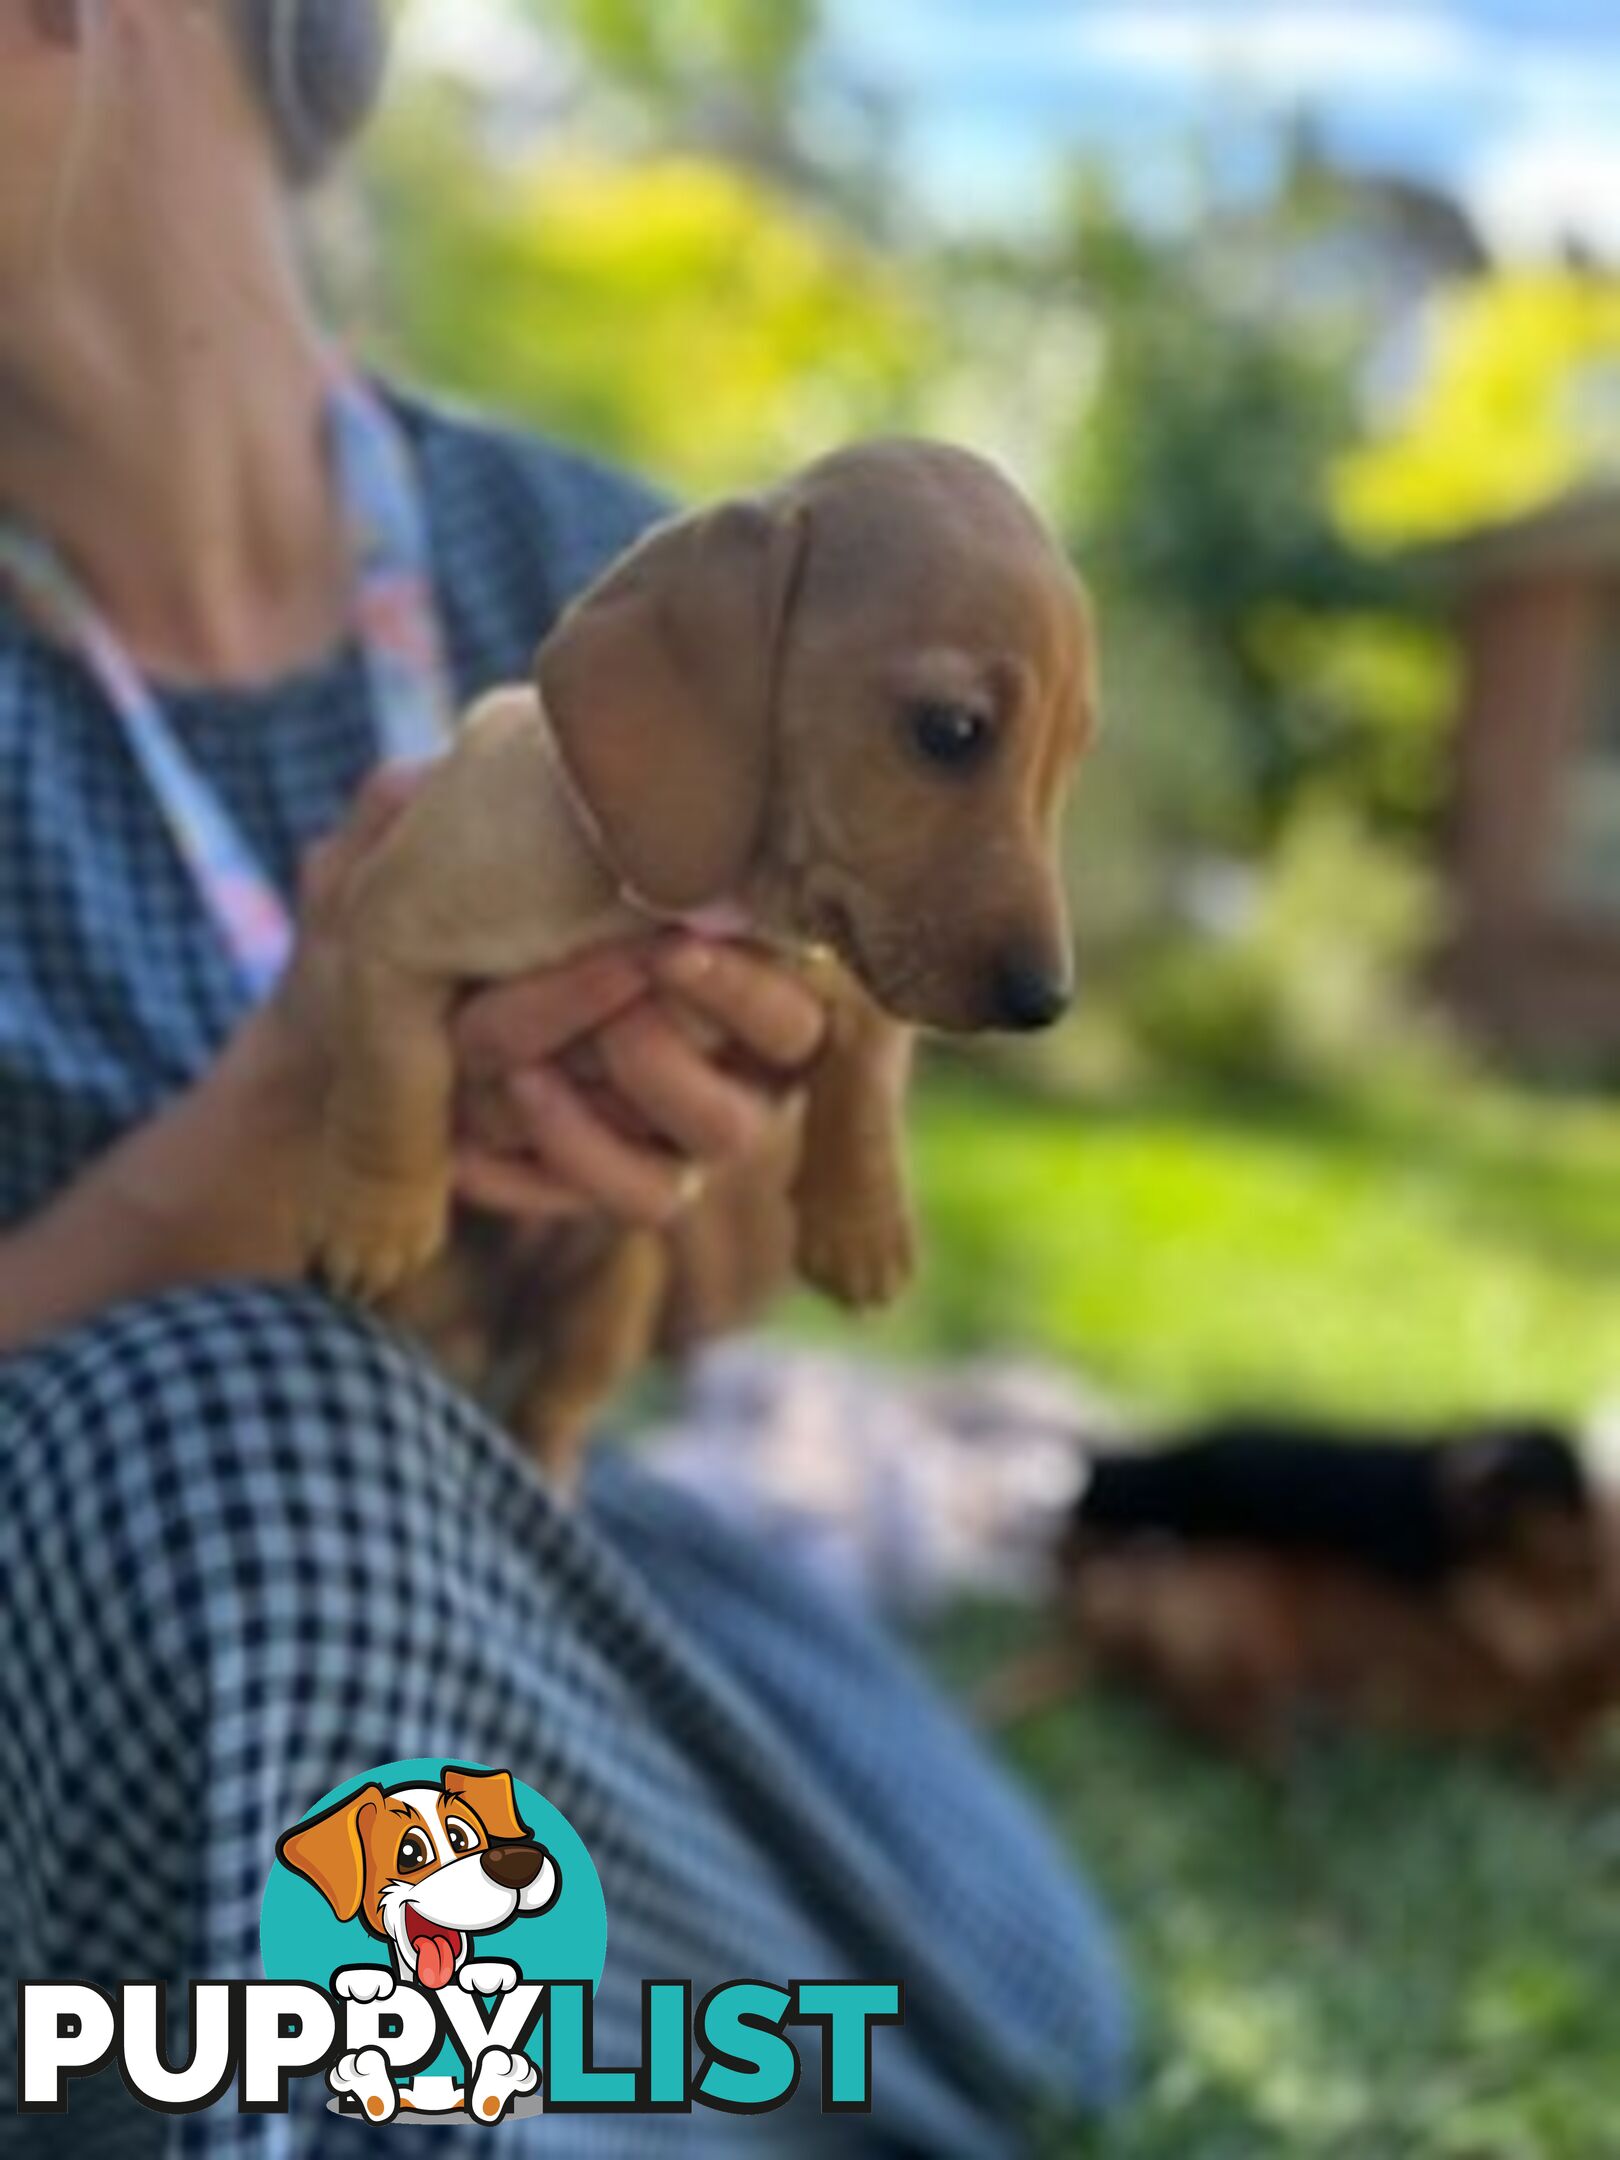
column 514, row 1867
column 1028, row 994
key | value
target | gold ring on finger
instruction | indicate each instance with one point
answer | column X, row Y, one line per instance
column 690, row 1185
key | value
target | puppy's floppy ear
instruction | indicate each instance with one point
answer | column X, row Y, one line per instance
column 493, row 1799
column 660, row 686
column 329, row 1853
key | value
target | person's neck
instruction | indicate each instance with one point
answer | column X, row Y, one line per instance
column 165, row 434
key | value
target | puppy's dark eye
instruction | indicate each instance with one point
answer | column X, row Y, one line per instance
column 414, row 1852
column 953, row 737
column 460, row 1837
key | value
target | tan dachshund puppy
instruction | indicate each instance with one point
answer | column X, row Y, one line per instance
column 838, row 717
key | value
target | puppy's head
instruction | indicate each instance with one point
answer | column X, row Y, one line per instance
column 1516, row 1496
column 426, row 1867
column 853, row 706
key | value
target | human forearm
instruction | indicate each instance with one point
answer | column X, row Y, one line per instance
column 211, row 1189
column 215, row 1187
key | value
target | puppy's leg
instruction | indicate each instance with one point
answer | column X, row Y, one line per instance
column 594, row 1337
column 382, row 1196
column 451, row 1307
column 485, row 876
column 855, row 1239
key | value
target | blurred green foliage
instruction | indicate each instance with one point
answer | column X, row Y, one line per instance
column 676, row 52
column 1197, row 470
column 669, row 312
column 1310, row 988
column 1520, row 402
column 1379, row 687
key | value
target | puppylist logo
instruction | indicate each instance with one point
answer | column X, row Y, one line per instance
column 433, row 1936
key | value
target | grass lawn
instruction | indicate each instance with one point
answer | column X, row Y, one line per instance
column 1399, row 1956
column 1392, row 1955
column 1189, row 1256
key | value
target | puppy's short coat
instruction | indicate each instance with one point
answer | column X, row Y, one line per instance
column 1407, row 1506
column 1239, row 1644
column 840, row 716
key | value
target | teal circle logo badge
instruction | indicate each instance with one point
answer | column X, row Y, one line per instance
column 437, row 1901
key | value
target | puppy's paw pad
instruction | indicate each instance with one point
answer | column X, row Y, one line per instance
column 369, row 1236
column 501, row 2078
column 863, row 1260
column 364, row 2078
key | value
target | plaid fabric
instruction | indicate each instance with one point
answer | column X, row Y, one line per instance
column 395, row 624
column 115, row 988
column 250, row 1545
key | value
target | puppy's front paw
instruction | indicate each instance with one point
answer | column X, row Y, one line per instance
column 501, row 2078
column 369, row 1235
column 364, row 1983
column 365, row 2079
column 862, row 1256
column 489, row 1976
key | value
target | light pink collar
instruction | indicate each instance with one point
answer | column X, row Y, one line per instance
column 721, row 920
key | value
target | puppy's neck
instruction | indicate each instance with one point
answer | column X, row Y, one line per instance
column 767, row 910
column 734, row 916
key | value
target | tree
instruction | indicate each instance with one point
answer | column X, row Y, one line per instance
column 752, row 82
column 1198, row 475
column 679, row 52
column 1519, row 401
column 672, row 310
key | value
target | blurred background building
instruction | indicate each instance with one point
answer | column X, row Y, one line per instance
column 1536, row 847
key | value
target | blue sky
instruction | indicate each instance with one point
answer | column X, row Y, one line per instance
column 1514, row 104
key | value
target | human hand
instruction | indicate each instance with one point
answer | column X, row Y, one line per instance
column 614, row 1082
column 622, row 1081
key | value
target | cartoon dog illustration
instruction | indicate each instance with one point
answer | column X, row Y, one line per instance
column 425, row 1868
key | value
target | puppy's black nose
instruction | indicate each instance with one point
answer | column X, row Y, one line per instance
column 514, row 1867
column 1028, row 995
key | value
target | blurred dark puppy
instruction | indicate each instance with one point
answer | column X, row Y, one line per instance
column 1254, row 1578
column 1406, row 1506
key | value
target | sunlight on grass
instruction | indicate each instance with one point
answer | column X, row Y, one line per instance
column 1192, row 1257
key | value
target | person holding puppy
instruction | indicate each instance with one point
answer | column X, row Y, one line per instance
column 249, row 1543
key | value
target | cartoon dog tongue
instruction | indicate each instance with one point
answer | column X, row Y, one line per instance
column 435, row 1948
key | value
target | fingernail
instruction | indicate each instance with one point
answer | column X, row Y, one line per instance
column 687, row 963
